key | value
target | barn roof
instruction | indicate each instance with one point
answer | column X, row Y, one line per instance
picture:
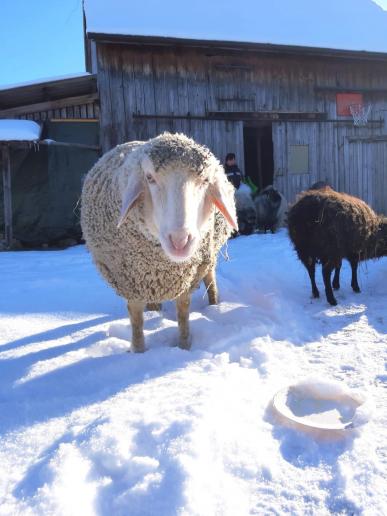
column 345, row 25
column 46, row 90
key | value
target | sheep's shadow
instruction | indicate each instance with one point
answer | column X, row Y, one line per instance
column 86, row 382
column 368, row 302
column 55, row 333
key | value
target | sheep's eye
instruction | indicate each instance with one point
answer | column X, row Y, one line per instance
column 150, row 179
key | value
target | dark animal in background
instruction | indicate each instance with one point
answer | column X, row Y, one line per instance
column 320, row 185
column 246, row 214
column 326, row 226
column 270, row 206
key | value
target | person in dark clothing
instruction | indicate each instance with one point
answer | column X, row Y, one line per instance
column 233, row 173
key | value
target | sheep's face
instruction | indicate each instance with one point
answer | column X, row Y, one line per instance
column 180, row 210
column 178, row 204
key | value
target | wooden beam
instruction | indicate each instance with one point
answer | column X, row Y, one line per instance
column 368, row 139
column 349, row 122
column 52, row 143
column 69, row 144
column 6, row 168
column 78, row 120
column 341, row 89
column 267, row 115
column 276, row 116
column 46, row 106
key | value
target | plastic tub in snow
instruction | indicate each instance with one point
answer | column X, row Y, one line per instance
column 324, row 408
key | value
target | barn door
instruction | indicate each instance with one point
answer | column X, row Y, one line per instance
column 365, row 172
column 358, row 177
column 296, row 158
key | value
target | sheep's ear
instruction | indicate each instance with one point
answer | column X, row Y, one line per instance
column 222, row 201
column 132, row 192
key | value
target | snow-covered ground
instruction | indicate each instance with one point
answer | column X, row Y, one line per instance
column 87, row 428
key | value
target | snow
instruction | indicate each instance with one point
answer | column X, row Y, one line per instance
column 89, row 429
column 381, row 3
column 336, row 24
column 21, row 130
column 43, row 80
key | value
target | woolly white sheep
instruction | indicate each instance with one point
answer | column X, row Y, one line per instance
column 150, row 223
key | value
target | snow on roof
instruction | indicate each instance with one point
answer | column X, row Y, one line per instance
column 20, row 130
column 336, row 24
column 44, row 80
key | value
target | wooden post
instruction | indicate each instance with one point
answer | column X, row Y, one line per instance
column 6, row 161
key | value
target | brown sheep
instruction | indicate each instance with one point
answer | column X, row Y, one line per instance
column 326, row 226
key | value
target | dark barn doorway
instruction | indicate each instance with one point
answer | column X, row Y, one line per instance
column 258, row 147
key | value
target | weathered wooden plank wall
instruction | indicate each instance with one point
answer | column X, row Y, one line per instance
column 144, row 92
column 85, row 111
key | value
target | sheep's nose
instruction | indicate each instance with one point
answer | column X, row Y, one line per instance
column 179, row 239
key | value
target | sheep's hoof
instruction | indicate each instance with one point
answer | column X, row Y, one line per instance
column 336, row 286
column 332, row 301
column 137, row 348
column 356, row 289
column 316, row 294
column 185, row 343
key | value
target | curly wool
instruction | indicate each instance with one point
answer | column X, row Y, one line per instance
column 130, row 258
column 167, row 150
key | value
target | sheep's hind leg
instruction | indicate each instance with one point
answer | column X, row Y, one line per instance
column 212, row 289
column 327, row 269
column 182, row 307
column 336, row 278
column 155, row 307
column 354, row 284
column 310, row 265
column 136, row 315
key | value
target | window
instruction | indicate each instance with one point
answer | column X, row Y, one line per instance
column 299, row 159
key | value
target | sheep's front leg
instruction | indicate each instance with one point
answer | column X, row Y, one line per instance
column 212, row 289
column 182, row 308
column 354, row 263
column 136, row 315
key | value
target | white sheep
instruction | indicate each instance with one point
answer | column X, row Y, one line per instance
column 150, row 223
column 246, row 213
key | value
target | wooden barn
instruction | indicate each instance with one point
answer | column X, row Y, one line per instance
column 284, row 109
column 42, row 180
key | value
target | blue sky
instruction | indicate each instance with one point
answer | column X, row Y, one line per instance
column 44, row 38
column 40, row 38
